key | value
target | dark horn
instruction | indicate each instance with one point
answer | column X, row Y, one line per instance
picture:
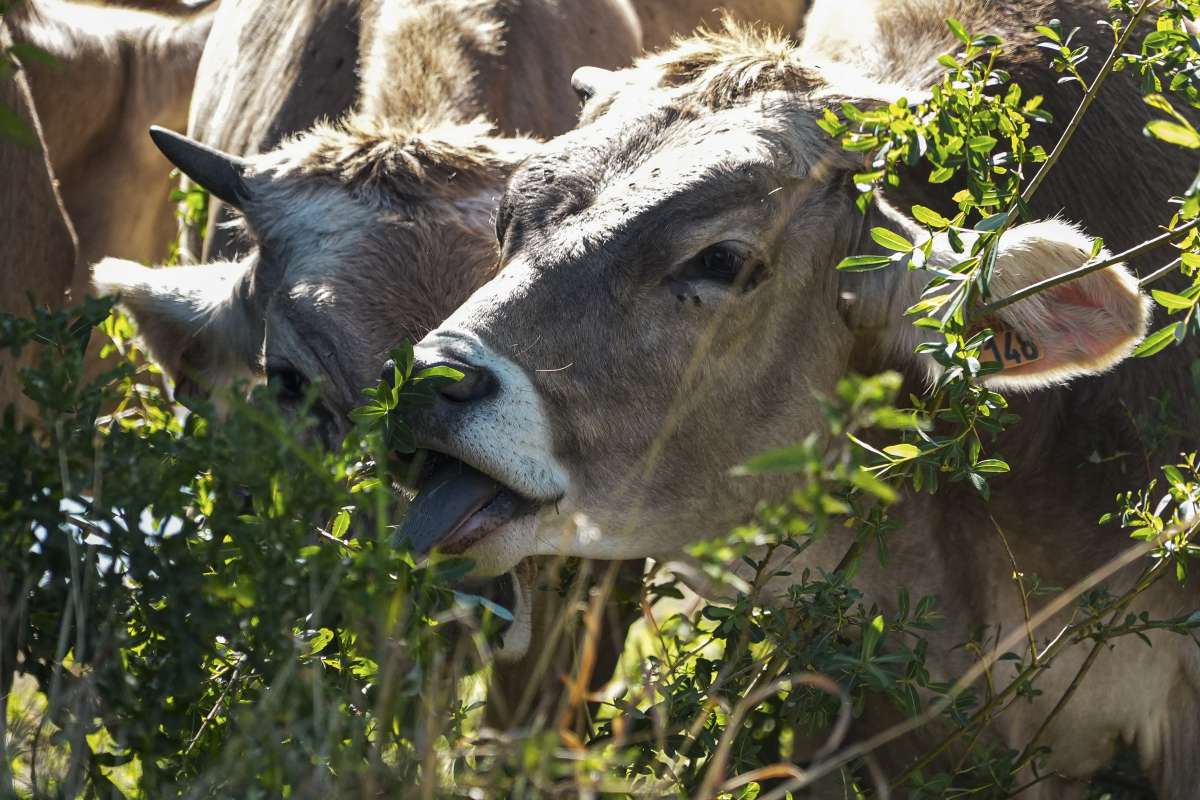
column 218, row 172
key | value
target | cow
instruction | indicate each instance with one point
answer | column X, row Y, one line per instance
column 662, row 20
column 106, row 74
column 667, row 307
column 269, row 73
column 38, row 254
column 374, row 228
column 310, row 50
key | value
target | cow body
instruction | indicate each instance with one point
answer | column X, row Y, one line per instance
column 659, row 265
column 37, row 245
column 371, row 229
column 112, row 73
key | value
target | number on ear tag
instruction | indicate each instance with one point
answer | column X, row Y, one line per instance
column 1009, row 348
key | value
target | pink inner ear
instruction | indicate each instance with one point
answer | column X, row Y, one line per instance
column 1090, row 346
column 1073, row 294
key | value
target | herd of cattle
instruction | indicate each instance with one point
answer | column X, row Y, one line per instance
column 639, row 292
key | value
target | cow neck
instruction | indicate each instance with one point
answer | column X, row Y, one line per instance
column 424, row 62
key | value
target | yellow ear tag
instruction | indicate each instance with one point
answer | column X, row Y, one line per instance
column 1009, row 348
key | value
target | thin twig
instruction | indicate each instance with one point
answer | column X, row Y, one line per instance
column 1159, row 273
column 936, row 708
column 1089, row 96
column 1018, row 579
column 1091, row 267
column 233, row 679
column 1144, row 583
column 716, row 770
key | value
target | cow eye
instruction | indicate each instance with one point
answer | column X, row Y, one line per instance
column 288, row 382
column 503, row 216
column 726, row 263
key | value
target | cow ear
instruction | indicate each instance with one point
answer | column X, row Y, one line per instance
column 1082, row 327
column 196, row 322
column 591, row 81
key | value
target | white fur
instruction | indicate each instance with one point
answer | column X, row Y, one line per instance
column 508, row 437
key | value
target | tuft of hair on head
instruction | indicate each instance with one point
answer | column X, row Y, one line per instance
column 726, row 65
column 372, row 153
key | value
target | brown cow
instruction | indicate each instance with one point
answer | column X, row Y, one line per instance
column 37, row 246
column 373, row 229
column 273, row 71
column 270, row 72
column 667, row 307
column 113, row 72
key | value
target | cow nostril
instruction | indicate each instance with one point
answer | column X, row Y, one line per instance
column 476, row 384
column 388, row 374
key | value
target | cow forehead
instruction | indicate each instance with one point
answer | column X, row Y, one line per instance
column 661, row 169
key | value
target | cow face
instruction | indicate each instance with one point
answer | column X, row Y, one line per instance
column 667, row 307
column 360, row 237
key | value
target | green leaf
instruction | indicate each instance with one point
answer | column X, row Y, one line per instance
column 403, row 355
column 785, row 459
column 1171, row 301
column 863, row 263
column 891, row 240
column 30, row 54
column 440, row 371
column 400, row 438
column 867, row 481
column 1174, row 475
column 14, row 128
column 1158, row 340
column 1049, row 33
column 941, row 175
column 993, row 222
column 871, row 636
column 341, row 524
column 927, row 216
column 991, row 465
column 368, row 413
column 1173, row 133
column 903, row 451
column 982, row 144
column 321, row 638
column 958, row 30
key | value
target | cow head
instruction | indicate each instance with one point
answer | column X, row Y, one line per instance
column 667, row 307
column 359, row 236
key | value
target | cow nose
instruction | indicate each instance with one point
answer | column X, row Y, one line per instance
column 476, row 383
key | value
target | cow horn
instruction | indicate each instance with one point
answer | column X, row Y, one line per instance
column 220, row 173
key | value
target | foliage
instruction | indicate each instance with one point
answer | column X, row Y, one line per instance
column 162, row 554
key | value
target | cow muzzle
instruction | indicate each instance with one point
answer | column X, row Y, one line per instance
column 489, row 469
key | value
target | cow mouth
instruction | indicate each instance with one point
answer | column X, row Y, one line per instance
column 458, row 506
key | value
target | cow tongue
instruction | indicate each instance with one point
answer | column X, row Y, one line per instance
column 447, row 499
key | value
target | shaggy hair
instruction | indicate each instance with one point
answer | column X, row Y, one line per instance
column 722, row 67
column 419, row 158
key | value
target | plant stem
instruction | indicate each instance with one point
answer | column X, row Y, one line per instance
column 1091, row 267
column 1148, row 580
column 1159, row 273
column 1020, row 582
column 1088, row 97
column 1056, row 152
